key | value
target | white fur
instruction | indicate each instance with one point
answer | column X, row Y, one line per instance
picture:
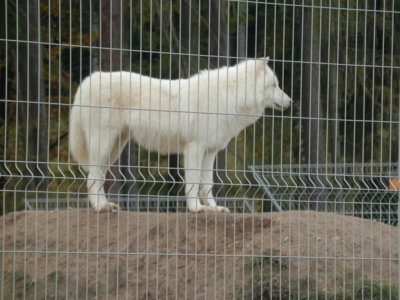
column 196, row 117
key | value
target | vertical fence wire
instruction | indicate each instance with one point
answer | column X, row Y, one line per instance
column 154, row 87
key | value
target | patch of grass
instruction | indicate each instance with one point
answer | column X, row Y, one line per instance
column 19, row 286
column 265, row 277
column 368, row 289
column 363, row 289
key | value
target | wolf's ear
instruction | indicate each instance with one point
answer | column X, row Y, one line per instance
column 261, row 64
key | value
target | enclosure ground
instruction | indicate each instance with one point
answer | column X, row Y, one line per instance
column 80, row 253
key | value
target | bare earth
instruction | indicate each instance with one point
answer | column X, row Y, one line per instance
column 83, row 254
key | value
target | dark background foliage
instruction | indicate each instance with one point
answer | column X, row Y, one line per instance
column 339, row 60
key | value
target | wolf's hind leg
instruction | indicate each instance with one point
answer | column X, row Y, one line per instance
column 103, row 151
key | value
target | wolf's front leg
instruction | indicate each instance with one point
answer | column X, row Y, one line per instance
column 208, row 182
column 194, row 157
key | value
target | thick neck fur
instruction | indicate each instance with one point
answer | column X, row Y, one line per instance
column 238, row 86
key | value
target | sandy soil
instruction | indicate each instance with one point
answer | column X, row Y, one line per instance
column 82, row 254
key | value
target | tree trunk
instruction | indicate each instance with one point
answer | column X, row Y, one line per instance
column 218, row 34
column 189, row 39
column 34, row 112
column 219, row 52
column 114, row 38
column 396, row 41
column 312, row 131
column 335, row 94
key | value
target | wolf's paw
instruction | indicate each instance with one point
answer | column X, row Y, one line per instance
column 221, row 209
column 205, row 208
column 107, row 207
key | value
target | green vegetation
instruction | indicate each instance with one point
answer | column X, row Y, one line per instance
column 274, row 277
column 354, row 86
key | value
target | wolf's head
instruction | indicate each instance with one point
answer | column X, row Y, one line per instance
column 268, row 84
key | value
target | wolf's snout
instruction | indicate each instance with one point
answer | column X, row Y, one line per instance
column 288, row 102
column 283, row 102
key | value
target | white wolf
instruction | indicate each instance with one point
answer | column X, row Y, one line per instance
column 196, row 117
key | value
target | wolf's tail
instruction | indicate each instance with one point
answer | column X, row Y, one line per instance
column 77, row 139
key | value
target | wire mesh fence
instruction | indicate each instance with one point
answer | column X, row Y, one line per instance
column 199, row 149
column 362, row 190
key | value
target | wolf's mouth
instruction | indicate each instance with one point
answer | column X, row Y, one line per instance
column 279, row 107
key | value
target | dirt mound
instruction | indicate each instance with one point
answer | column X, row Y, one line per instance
column 79, row 253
